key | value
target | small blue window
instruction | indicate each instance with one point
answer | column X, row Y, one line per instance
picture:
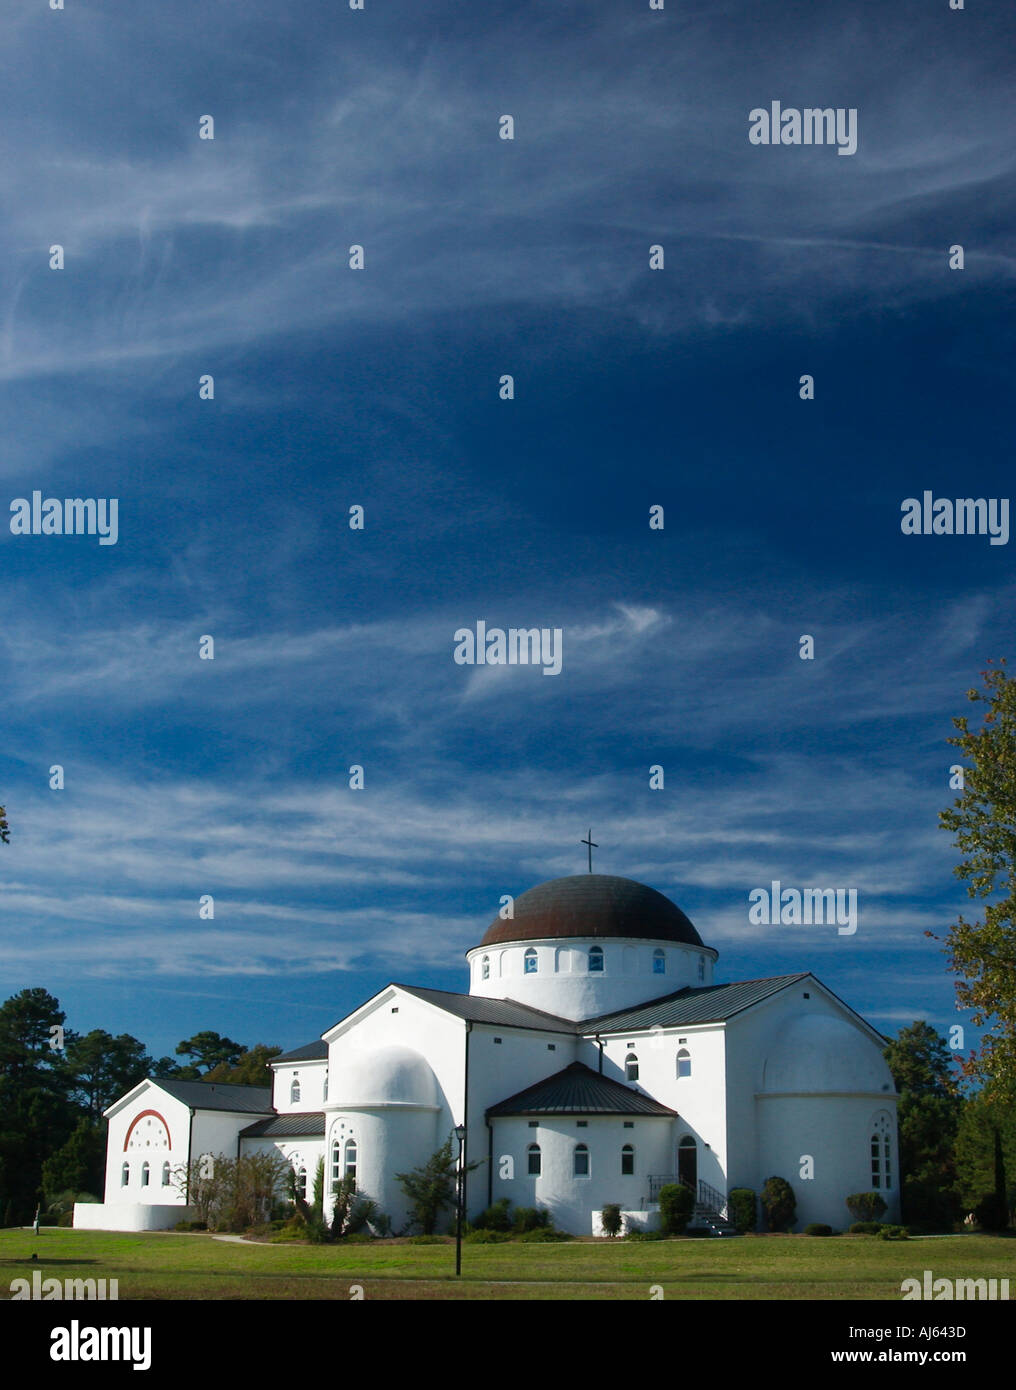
column 659, row 963
column 530, row 967
column 596, row 960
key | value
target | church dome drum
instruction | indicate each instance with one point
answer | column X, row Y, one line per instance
column 581, row 946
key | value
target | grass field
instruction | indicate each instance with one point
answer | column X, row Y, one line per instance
column 175, row 1266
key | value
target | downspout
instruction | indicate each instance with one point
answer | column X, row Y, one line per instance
column 190, row 1145
column 490, row 1163
column 600, row 1045
column 465, row 1116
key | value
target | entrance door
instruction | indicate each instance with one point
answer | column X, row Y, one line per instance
column 687, row 1162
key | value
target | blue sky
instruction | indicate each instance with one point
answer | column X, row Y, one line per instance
column 380, row 388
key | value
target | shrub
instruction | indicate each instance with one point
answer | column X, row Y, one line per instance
column 541, row 1233
column 699, row 1233
column 610, row 1219
column 191, row 1226
column 866, row 1206
column 742, row 1209
column 818, row 1228
column 530, row 1219
column 779, row 1204
column 991, row 1212
column 894, row 1233
column 485, row 1237
column 495, row 1218
column 866, row 1228
column 428, row 1240
column 676, row 1205
column 645, row 1235
column 357, row 1238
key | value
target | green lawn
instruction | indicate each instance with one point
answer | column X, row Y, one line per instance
column 172, row 1266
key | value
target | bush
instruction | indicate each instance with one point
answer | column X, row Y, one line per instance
column 818, row 1228
column 699, row 1233
column 991, row 1212
column 894, row 1233
column 610, row 1219
column 645, row 1235
column 357, row 1238
column 541, row 1233
column 191, row 1226
column 495, row 1218
column 866, row 1228
column 742, row 1209
column 866, row 1206
column 779, row 1204
column 677, row 1203
column 530, row 1219
column 485, row 1237
column 428, row 1240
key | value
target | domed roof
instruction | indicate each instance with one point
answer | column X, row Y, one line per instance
column 389, row 1076
column 820, row 1053
column 597, row 905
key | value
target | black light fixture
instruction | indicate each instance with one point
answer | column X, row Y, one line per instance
column 460, row 1135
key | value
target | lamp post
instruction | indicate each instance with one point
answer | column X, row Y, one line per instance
column 460, row 1135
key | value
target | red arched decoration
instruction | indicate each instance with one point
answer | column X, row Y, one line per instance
column 141, row 1116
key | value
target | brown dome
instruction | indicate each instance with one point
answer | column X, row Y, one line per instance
column 593, row 905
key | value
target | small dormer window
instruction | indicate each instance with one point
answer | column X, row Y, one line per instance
column 294, row 1091
column 530, row 961
column 684, row 1062
column 659, row 963
column 631, row 1067
column 485, row 968
column 596, row 960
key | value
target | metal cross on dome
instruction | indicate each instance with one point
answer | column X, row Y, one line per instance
column 592, row 845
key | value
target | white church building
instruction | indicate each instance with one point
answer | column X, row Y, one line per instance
column 592, row 1060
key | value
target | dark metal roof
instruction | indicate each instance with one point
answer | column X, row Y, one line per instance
column 309, row 1123
column 578, row 1090
column 710, row 1004
column 310, row 1052
column 597, row 905
column 502, row 1013
column 216, row 1095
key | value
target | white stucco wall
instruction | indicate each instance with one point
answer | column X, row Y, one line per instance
column 699, row 1098
column 146, row 1135
column 571, row 1199
column 311, row 1076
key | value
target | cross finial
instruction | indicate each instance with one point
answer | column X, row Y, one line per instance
column 592, row 845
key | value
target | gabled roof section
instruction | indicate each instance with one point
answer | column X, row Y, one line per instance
column 303, row 1125
column 578, row 1090
column 502, row 1013
column 710, row 1004
column 316, row 1051
column 216, row 1095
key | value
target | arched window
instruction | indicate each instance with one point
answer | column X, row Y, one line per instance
column 659, row 963
column 485, row 968
column 125, row 1175
column 530, row 959
column 336, row 1165
column 351, row 1159
column 684, row 1062
column 596, row 960
column 631, row 1067
column 301, row 1182
column 146, row 1173
column 534, row 1160
column 581, row 1161
column 701, row 967
column 294, row 1091
column 627, row 1160
column 881, row 1153
column 165, row 1175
